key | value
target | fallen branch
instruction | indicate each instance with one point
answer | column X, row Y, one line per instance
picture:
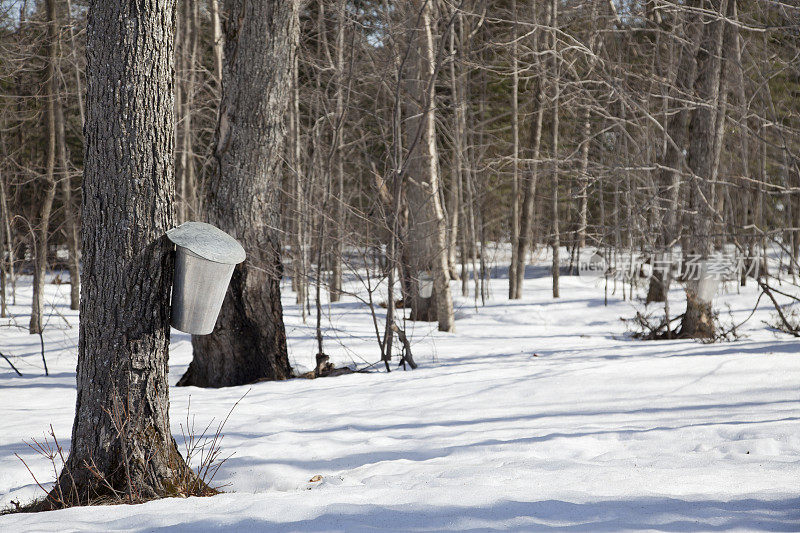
column 790, row 329
column 10, row 363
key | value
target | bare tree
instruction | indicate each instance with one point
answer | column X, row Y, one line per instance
column 426, row 239
column 48, row 182
column 338, row 153
column 535, row 143
column 70, row 222
column 698, row 320
column 555, row 128
column 218, row 43
column 515, row 190
column 681, row 73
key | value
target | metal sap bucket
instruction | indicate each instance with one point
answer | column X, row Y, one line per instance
column 425, row 282
column 707, row 285
column 204, row 262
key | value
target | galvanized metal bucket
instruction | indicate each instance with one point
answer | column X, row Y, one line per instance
column 707, row 284
column 204, row 262
column 425, row 282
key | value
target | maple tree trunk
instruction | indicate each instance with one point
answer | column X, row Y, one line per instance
column 128, row 199
column 249, row 339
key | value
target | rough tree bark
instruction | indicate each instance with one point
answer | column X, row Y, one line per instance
column 128, row 192
column 426, row 225
column 249, row 340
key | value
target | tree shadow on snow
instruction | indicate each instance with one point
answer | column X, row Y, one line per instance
column 358, row 460
column 661, row 514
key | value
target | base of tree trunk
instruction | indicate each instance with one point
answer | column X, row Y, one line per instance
column 137, row 479
column 423, row 309
column 658, row 289
column 699, row 321
column 246, row 345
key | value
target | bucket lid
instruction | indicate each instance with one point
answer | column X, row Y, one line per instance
column 207, row 241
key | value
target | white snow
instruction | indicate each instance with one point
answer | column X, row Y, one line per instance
column 536, row 414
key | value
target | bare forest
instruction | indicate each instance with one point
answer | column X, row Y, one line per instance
column 417, row 161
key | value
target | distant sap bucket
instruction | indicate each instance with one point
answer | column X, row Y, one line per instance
column 204, row 262
column 707, row 284
column 425, row 285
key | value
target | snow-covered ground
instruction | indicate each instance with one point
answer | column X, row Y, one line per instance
column 536, row 414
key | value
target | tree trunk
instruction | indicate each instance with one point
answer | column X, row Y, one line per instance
column 512, row 271
column 718, row 187
column 70, row 224
column 249, row 340
column 218, row 44
column 49, row 182
column 744, row 138
column 77, row 70
column 529, row 197
column 3, row 243
column 185, row 169
column 457, row 165
column 299, row 260
column 128, row 204
column 338, row 155
column 583, row 207
column 672, row 161
column 426, row 228
column 698, row 322
column 8, row 248
column 556, row 95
